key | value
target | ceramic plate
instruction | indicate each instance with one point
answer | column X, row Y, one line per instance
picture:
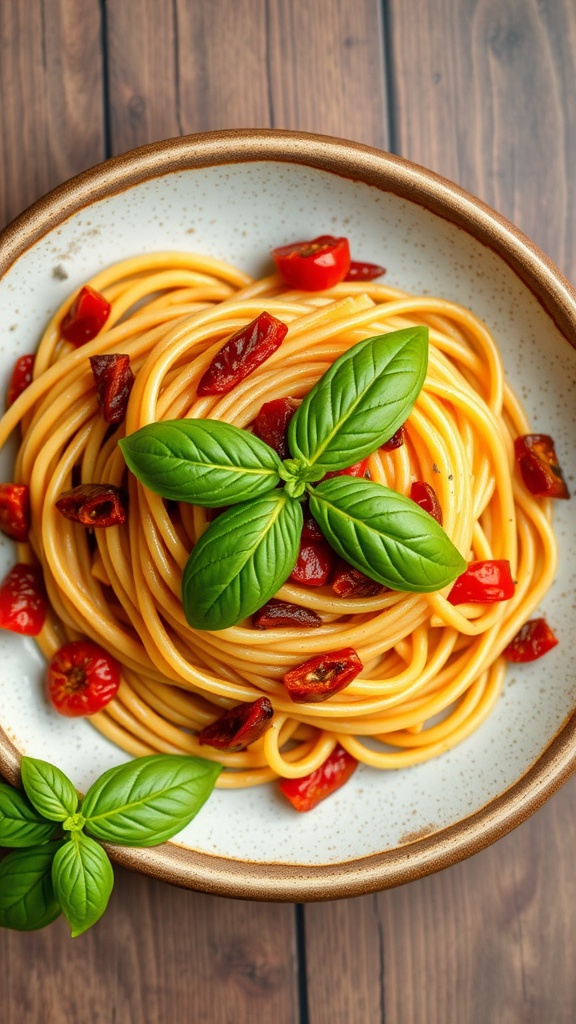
column 235, row 195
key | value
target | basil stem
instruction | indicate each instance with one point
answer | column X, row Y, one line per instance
column 204, row 462
column 385, row 535
column 48, row 788
column 148, row 800
column 27, row 896
column 363, row 398
column 241, row 560
column 83, row 880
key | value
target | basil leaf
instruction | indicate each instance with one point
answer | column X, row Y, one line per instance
column 241, row 560
column 48, row 788
column 148, row 800
column 385, row 535
column 204, row 462
column 27, row 897
column 83, row 880
column 20, row 822
column 362, row 400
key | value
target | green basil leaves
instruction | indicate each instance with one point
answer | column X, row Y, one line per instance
column 141, row 803
column 249, row 550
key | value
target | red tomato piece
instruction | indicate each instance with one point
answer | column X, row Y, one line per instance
column 364, row 271
column 114, row 380
column 425, row 496
column 20, row 379
column 483, row 582
column 396, row 441
column 532, row 641
column 538, row 462
column 314, row 563
column 310, row 528
column 271, row 424
column 243, row 353
column 81, row 679
column 350, row 582
column 306, row 793
column 23, row 603
column 322, row 676
column 276, row 614
column 238, row 727
column 86, row 316
column 358, row 469
column 15, row 511
column 316, row 265
column 93, row 505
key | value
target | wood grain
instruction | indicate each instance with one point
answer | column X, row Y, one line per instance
column 51, row 113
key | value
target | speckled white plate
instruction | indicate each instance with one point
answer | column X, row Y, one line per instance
column 235, row 195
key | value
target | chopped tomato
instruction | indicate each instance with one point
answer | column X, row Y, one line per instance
column 357, row 469
column 243, row 353
column 277, row 614
column 15, row 511
column 316, row 265
column 350, row 582
column 364, row 271
column 20, row 379
column 86, row 316
column 240, row 726
column 425, row 496
column 532, row 641
column 314, row 564
column 306, row 793
column 23, row 602
column 541, row 473
column 322, row 676
column 483, row 582
column 271, row 424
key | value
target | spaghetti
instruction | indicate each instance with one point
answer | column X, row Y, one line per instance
column 432, row 671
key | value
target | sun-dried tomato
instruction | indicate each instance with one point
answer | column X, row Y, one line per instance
column 238, row 727
column 364, row 271
column 532, row 641
column 322, row 676
column 271, row 424
column 425, row 496
column 23, row 602
column 20, row 379
column 86, row 316
column 114, row 379
column 350, row 582
column 396, row 441
column 314, row 563
column 306, row 793
column 15, row 511
column 276, row 614
column 538, row 462
column 243, row 353
column 93, row 505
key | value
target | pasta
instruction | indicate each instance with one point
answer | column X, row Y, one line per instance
column 432, row 670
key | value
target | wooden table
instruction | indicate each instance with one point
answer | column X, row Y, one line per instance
column 484, row 93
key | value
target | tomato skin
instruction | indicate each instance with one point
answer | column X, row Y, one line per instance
column 20, row 379
column 15, row 511
column 242, row 353
column 425, row 496
column 320, row 677
column 538, row 462
column 23, row 602
column 240, row 726
column 483, row 582
column 531, row 642
column 316, row 265
column 306, row 793
column 86, row 316
column 81, row 679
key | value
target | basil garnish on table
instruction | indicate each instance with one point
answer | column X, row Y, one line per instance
column 249, row 550
column 57, row 863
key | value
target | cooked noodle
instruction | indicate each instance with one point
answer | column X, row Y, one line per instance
column 432, row 671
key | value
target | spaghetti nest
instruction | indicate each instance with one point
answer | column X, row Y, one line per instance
column 432, row 671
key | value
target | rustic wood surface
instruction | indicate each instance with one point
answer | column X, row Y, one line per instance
column 483, row 92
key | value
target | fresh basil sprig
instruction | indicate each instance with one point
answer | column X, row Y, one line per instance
column 249, row 551
column 141, row 803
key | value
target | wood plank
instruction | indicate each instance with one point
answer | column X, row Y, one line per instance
column 498, row 117
column 194, row 67
column 51, row 114
column 158, row 954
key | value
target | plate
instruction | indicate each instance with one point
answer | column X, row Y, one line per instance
column 235, row 195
